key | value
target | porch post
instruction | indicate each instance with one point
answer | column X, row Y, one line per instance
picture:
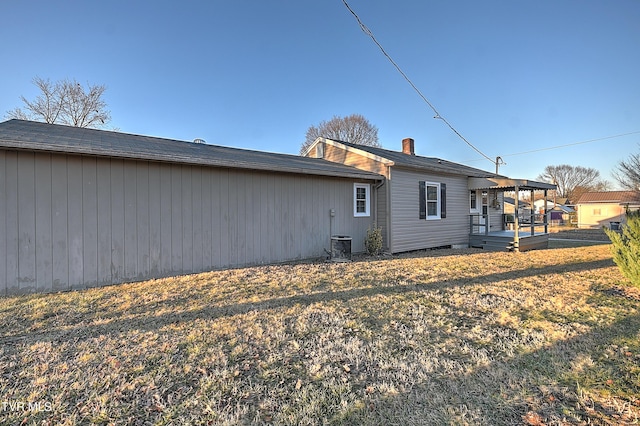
column 533, row 213
column 546, row 213
column 516, row 222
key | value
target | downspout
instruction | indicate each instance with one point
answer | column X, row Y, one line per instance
column 388, row 218
column 375, row 201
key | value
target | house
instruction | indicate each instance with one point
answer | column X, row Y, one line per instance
column 605, row 209
column 551, row 203
column 559, row 212
column 83, row 207
column 509, row 209
column 427, row 202
column 510, row 205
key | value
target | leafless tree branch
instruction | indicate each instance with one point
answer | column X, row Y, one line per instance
column 65, row 102
column 354, row 128
column 573, row 180
column 627, row 173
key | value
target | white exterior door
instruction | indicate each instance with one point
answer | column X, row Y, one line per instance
column 485, row 207
column 479, row 205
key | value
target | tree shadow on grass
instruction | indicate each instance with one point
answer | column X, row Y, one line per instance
column 144, row 317
column 541, row 387
column 528, row 387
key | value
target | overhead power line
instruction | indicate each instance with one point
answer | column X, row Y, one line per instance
column 549, row 148
column 571, row 144
column 368, row 32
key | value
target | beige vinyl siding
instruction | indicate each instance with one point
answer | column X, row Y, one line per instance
column 69, row 222
column 339, row 155
column 408, row 231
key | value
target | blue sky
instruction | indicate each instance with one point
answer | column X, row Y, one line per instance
column 511, row 77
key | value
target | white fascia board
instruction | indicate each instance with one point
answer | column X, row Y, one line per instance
column 310, row 147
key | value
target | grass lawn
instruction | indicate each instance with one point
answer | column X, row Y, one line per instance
column 441, row 337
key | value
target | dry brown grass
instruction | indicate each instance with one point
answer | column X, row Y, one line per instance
column 442, row 337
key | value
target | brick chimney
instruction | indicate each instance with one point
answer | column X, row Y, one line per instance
column 407, row 146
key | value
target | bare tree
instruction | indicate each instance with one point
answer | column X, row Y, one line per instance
column 65, row 102
column 627, row 173
column 353, row 128
column 573, row 181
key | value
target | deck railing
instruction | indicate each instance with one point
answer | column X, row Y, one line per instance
column 531, row 221
column 474, row 224
column 479, row 223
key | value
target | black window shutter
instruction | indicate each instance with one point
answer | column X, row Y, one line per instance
column 443, row 200
column 423, row 199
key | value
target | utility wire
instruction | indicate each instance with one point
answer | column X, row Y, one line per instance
column 549, row 148
column 368, row 32
column 572, row 144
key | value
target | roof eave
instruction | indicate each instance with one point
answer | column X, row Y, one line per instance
column 446, row 171
column 110, row 153
column 508, row 184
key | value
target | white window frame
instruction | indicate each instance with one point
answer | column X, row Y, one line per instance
column 367, row 200
column 437, row 201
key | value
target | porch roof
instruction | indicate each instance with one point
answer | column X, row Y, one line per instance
column 508, row 184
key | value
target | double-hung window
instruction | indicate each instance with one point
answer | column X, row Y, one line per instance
column 432, row 200
column 361, row 199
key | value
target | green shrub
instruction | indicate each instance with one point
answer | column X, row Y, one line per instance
column 373, row 241
column 626, row 247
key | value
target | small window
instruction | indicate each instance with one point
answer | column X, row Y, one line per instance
column 473, row 200
column 361, row 199
column 433, row 200
column 597, row 212
column 320, row 150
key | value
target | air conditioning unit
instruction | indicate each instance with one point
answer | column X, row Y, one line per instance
column 340, row 248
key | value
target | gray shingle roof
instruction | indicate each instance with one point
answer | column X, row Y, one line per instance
column 30, row 135
column 426, row 163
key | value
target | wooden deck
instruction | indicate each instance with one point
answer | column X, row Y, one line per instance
column 504, row 240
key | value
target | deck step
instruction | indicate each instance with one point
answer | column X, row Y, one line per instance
column 496, row 247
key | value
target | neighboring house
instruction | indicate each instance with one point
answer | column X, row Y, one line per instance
column 510, row 205
column 83, row 207
column 550, row 203
column 524, row 211
column 428, row 202
column 559, row 213
column 605, row 209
